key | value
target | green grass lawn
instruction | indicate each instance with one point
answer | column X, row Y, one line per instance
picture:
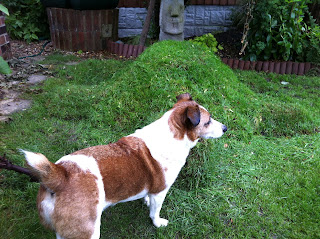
column 260, row 180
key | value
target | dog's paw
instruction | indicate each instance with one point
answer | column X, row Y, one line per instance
column 147, row 200
column 160, row 222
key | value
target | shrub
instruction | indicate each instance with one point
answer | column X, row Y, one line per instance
column 313, row 48
column 279, row 30
column 27, row 20
column 208, row 40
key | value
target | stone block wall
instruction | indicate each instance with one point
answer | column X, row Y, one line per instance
column 5, row 50
column 199, row 20
column 131, row 21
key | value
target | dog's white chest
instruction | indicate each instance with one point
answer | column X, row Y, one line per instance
column 171, row 153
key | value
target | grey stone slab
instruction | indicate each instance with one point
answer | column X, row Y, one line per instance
column 35, row 79
column 5, row 118
column 10, row 106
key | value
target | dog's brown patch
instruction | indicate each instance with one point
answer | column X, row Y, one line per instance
column 78, row 191
column 127, row 168
column 188, row 118
column 184, row 119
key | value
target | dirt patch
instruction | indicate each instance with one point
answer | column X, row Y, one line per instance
column 231, row 43
column 26, row 72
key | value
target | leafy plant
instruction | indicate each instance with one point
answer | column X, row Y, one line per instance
column 208, row 40
column 4, row 9
column 313, row 48
column 27, row 21
column 4, row 68
column 279, row 30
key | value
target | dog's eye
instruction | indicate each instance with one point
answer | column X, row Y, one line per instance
column 207, row 124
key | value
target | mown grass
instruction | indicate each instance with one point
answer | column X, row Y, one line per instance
column 260, row 180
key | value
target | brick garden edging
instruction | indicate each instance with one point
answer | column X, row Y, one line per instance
column 5, row 49
column 284, row 67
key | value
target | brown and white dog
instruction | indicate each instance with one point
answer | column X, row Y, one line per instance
column 77, row 188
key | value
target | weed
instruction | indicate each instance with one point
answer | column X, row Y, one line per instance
column 208, row 40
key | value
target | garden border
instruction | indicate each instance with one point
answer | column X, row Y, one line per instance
column 124, row 50
column 279, row 67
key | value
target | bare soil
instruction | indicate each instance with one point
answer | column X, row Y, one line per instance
column 231, row 43
column 25, row 73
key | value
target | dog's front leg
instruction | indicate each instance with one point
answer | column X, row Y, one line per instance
column 156, row 201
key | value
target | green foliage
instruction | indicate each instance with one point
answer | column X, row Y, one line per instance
column 4, row 9
column 313, row 46
column 27, row 20
column 208, row 40
column 279, row 31
column 4, row 67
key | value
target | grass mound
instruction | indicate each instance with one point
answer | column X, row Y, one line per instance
column 142, row 90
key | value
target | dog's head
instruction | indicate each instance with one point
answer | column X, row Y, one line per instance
column 191, row 119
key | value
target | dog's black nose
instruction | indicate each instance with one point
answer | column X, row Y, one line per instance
column 224, row 128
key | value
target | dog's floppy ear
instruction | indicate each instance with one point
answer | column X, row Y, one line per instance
column 185, row 96
column 193, row 115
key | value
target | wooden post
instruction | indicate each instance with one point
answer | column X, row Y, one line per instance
column 146, row 25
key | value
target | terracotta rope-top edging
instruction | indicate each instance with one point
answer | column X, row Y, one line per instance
column 124, row 50
column 285, row 67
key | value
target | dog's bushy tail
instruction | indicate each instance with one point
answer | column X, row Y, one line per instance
column 51, row 176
